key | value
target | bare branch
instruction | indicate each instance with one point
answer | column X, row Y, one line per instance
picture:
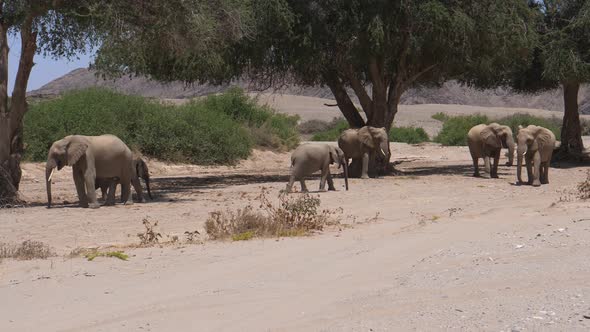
column 359, row 90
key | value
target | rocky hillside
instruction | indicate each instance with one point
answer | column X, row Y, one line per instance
column 449, row 93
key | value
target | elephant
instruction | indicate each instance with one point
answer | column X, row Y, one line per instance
column 486, row 141
column 110, row 184
column 91, row 157
column 308, row 158
column 536, row 145
column 364, row 143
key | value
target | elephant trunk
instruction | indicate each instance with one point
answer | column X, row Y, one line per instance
column 48, row 174
column 511, row 145
column 345, row 166
column 520, row 155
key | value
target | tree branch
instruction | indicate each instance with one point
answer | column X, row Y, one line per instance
column 343, row 99
column 360, row 91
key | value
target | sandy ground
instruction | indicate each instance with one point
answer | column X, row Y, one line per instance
column 431, row 248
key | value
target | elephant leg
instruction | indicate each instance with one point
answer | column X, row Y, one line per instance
column 529, row 170
column 303, row 186
column 330, row 182
column 111, row 194
column 545, row 173
column 289, row 187
column 138, row 190
column 89, row 178
column 324, row 177
column 486, row 161
column 365, row 169
column 494, row 173
column 103, row 191
column 475, row 166
column 126, row 192
column 537, row 171
column 80, row 186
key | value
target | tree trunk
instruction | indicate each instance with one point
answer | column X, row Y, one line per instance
column 572, row 147
column 11, row 117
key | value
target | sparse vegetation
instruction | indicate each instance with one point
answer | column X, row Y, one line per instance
column 150, row 236
column 219, row 129
column 584, row 187
column 335, row 128
column 293, row 216
column 26, row 250
column 116, row 254
column 455, row 129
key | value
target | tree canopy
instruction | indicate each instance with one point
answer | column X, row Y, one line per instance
column 375, row 48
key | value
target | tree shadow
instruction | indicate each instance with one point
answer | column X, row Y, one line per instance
column 459, row 170
column 162, row 187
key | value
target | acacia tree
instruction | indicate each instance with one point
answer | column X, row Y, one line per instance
column 53, row 27
column 562, row 58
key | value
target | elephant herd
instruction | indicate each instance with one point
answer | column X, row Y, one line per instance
column 105, row 161
column 534, row 143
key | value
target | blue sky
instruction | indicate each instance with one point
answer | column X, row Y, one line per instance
column 45, row 69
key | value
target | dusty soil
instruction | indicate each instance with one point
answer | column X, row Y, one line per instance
column 431, row 248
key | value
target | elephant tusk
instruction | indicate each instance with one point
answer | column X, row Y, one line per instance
column 383, row 152
column 50, row 175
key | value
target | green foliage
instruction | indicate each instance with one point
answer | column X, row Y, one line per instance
column 245, row 236
column 455, row 129
column 410, row 135
column 214, row 130
column 523, row 119
column 440, row 116
column 332, row 133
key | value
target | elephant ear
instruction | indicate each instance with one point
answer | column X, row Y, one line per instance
column 366, row 137
column 333, row 155
column 75, row 149
column 489, row 137
column 544, row 137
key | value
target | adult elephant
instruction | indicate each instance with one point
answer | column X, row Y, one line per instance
column 486, row 141
column 366, row 143
column 104, row 156
column 535, row 145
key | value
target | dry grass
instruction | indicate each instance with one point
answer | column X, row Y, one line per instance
column 27, row 250
column 293, row 216
column 584, row 188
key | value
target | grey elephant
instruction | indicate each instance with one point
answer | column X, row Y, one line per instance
column 109, row 185
column 104, row 156
column 309, row 158
column 535, row 145
column 366, row 142
column 487, row 141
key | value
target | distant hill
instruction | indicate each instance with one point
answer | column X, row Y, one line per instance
column 449, row 93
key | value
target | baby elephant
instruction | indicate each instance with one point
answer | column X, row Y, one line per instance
column 309, row 158
column 109, row 185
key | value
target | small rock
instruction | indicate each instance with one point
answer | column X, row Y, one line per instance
column 519, row 246
column 538, row 317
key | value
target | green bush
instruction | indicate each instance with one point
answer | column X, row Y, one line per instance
column 455, row 129
column 440, row 116
column 410, row 135
column 523, row 119
column 215, row 130
column 332, row 134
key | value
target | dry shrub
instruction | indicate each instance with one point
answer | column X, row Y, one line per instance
column 293, row 216
column 584, row 187
column 149, row 236
column 27, row 250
